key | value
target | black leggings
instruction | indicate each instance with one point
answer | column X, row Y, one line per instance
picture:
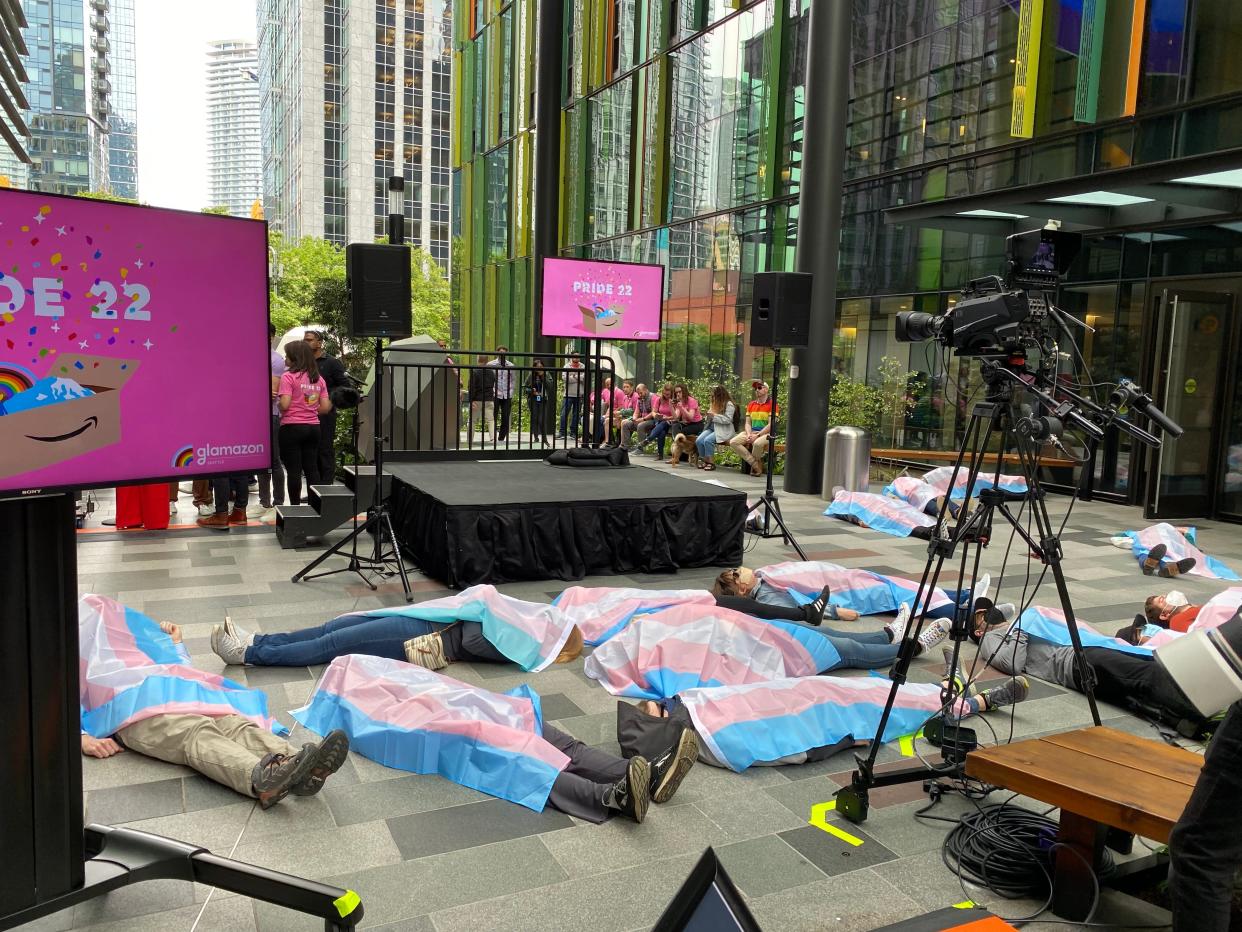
column 299, row 452
column 1120, row 676
column 757, row 609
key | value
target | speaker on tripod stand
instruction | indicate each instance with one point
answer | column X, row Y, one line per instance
column 377, row 280
column 780, row 318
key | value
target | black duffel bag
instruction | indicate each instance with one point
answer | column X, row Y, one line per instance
column 585, row 456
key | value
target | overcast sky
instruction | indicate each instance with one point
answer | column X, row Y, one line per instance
column 172, row 110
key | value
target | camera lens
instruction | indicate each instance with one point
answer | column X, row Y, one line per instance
column 913, row 326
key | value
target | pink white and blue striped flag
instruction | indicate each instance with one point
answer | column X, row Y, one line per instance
column 763, row 722
column 940, row 477
column 413, row 719
column 602, row 611
column 531, row 634
column 878, row 512
column 660, row 654
column 865, row 592
column 130, row 670
column 914, row 492
column 1180, row 546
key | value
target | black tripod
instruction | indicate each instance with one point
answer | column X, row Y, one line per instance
column 771, row 507
column 973, row 531
column 385, row 559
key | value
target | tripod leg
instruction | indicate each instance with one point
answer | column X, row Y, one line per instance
column 334, row 549
column 386, row 529
column 786, row 536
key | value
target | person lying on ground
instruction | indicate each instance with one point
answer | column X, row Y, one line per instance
column 689, row 645
column 139, row 693
column 795, row 721
column 1169, row 550
column 478, row 624
column 1119, row 676
column 1155, row 562
column 414, row 719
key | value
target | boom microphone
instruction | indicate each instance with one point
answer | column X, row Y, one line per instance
column 1129, row 394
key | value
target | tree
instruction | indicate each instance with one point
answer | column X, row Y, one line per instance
column 301, row 270
column 220, row 209
column 256, row 210
column 430, row 301
column 105, row 196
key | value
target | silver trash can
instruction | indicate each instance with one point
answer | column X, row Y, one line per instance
column 847, row 460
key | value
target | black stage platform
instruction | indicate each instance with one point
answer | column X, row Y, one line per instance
column 504, row 521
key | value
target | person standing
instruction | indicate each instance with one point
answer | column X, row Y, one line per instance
column 233, row 485
column 537, row 385
column 504, row 391
column 332, row 370
column 302, row 397
column 483, row 398
column 272, row 483
column 571, row 401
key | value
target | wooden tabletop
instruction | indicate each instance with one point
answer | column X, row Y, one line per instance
column 1130, row 783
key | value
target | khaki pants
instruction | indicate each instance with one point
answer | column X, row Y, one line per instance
column 484, row 414
column 757, row 451
column 202, row 492
column 223, row 749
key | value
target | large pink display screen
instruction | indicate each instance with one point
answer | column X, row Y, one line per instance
column 608, row 300
column 133, row 344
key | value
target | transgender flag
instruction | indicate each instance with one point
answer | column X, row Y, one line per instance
column 865, row 592
column 130, row 670
column 762, row 722
column 406, row 717
column 661, row 654
column 1048, row 624
column 600, row 612
column 530, row 634
column 878, row 513
column 940, row 478
column 1179, row 548
column 914, row 492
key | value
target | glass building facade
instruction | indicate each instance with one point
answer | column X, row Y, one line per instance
column 122, row 75
column 60, row 129
column 681, row 144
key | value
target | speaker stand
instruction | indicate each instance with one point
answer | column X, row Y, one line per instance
column 769, row 503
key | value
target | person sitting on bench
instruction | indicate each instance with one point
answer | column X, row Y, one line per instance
column 218, row 728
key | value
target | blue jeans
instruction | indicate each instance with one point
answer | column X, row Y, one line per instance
column 658, row 434
column 570, row 404
column 705, row 443
column 861, row 650
column 349, row 634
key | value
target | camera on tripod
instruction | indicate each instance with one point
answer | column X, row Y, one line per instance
column 999, row 314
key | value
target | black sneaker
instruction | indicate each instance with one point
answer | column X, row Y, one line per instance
column 1151, row 562
column 276, row 775
column 814, row 610
column 330, row 756
column 1012, row 691
column 632, row 795
column 671, row 767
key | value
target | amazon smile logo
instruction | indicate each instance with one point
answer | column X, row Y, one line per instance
column 90, row 423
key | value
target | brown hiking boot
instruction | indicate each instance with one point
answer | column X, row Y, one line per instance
column 216, row 522
column 276, row 775
column 329, row 757
column 237, row 516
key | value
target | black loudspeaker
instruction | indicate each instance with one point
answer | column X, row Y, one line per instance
column 781, row 313
column 377, row 280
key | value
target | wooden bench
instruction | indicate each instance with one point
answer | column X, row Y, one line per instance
column 1097, row 777
column 950, row 456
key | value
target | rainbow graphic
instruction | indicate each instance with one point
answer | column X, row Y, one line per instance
column 183, row 458
column 14, row 379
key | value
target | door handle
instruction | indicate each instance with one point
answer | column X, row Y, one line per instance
column 1168, row 368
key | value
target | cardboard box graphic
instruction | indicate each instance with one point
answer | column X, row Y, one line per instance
column 598, row 325
column 53, row 433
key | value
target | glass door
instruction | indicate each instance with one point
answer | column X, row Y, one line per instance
column 1192, row 335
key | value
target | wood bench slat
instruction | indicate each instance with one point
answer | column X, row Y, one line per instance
column 1105, row 791
column 1161, row 760
column 949, row 456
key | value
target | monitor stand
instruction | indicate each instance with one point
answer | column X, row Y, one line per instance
column 52, row 861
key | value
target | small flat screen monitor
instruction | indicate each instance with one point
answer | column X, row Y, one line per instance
column 616, row 301
column 133, row 344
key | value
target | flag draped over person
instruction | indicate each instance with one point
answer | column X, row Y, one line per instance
column 865, row 592
column 878, row 512
column 1179, row 547
column 601, row 611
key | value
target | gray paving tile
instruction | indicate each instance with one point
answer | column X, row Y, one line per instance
column 558, row 706
column 389, row 799
column 140, row 899
column 853, row 902
column 925, row 879
column 201, row 793
column 423, row 833
column 831, row 854
column 766, row 865
column 138, row 801
column 321, row 854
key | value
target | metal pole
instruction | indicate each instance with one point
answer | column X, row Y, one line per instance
column 819, row 234
column 549, row 68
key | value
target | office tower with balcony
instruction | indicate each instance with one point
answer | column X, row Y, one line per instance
column 62, row 129
column 234, row 153
column 115, row 97
column 14, row 160
column 351, row 93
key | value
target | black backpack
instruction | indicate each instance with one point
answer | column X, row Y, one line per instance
column 738, row 415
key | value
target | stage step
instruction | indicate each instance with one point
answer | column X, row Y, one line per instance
column 329, row 507
column 362, row 479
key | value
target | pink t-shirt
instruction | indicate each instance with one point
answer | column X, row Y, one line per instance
column 305, row 394
column 690, row 411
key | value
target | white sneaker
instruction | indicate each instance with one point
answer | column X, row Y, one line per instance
column 981, row 587
column 206, row 511
column 187, row 489
column 898, row 627
column 238, row 632
column 226, row 647
column 934, row 634
column 260, row 511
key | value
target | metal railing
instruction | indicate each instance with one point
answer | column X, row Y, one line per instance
column 437, row 408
